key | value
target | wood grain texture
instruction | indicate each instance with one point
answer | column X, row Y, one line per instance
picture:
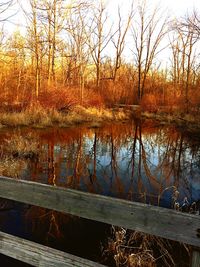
column 39, row 255
column 157, row 221
column 195, row 258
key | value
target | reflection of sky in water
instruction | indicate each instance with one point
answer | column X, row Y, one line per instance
column 113, row 174
column 71, row 163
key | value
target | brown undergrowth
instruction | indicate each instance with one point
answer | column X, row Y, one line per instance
column 37, row 116
column 21, row 146
column 11, row 167
column 15, row 152
column 136, row 249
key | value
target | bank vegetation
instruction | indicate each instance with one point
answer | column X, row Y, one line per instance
column 73, row 57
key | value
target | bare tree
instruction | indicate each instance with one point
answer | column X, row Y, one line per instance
column 98, row 39
column 17, row 55
column 183, row 48
column 76, row 29
column 36, row 47
column 119, row 42
column 148, row 30
column 4, row 7
column 33, row 42
column 175, row 62
column 192, row 21
column 51, row 14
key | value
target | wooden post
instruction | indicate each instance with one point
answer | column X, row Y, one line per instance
column 195, row 258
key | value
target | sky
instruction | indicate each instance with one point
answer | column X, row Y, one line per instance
column 178, row 7
column 175, row 8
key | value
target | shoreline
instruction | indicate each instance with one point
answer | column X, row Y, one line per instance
column 95, row 117
column 41, row 118
column 188, row 122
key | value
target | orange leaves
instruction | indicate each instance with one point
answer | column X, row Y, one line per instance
column 93, row 99
column 149, row 103
column 59, row 99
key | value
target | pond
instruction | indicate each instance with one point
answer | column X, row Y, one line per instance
column 139, row 161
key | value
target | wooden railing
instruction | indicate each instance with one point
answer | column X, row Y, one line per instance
column 152, row 220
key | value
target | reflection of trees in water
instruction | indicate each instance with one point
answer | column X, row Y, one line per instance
column 47, row 224
column 176, row 160
column 136, row 161
column 68, row 233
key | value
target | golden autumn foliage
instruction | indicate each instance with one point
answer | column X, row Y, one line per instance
column 64, row 59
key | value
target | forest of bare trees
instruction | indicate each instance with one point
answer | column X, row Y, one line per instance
column 76, row 50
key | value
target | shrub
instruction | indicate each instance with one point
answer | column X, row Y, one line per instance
column 92, row 99
column 59, row 99
column 136, row 249
column 149, row 103
column 12, row 167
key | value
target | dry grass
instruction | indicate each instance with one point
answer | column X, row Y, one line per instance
column 14, row 153
column 12, row 167
column 98, row 114
column 177, row 118
column 135, row 249
column 20, row 146
column 37, row 116
column 13, row 119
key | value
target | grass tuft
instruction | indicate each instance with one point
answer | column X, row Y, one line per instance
column 12, row 167
column 20, row 146
column 37, row 116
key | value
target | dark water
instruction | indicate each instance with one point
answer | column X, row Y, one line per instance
column 142, row 162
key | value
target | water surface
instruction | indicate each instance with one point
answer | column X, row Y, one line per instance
column 145, row 162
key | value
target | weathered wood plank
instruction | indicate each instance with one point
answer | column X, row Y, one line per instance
column 195, row 258
column 39, row 255
column 157, row 221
